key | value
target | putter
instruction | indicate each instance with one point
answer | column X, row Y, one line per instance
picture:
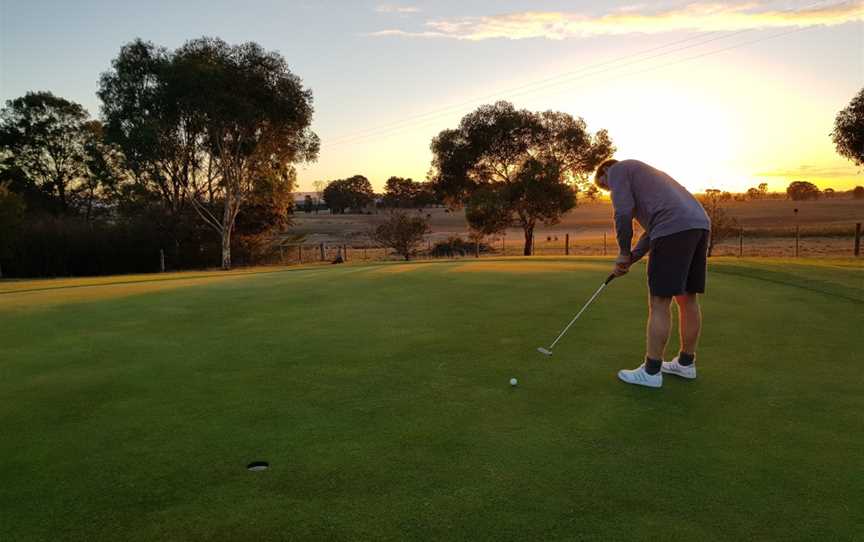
column 548, row 351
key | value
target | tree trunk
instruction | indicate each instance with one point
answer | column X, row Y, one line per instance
column 226, row 249
column 61, row 191
column 88, row 213
column 228, row 216
column 529, row 240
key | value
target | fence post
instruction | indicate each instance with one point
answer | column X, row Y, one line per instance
column 300, row 253
column 476, row 248
column 503, row 246
column 741, row 242
column 345, row 250
column 322, row 251
column 858, row 239
column 162, row 258
column 604, row 243
column 567, row 244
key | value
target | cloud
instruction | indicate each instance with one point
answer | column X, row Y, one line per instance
column 698, row 17
column 393, row 8
column 407, row 34
column 807, row 171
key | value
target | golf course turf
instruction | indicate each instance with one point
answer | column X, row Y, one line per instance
column 380, row 396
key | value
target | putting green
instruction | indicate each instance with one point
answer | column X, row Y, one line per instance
column 380, row 397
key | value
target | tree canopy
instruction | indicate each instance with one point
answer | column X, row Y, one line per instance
column 149, row 120
column 43, row 146
column 351, row 193
column 802, row 190
column 488, row 212
column 534, row 161
column 402, row 233
column 848, row 131
column 722, row 225
column 405, row 193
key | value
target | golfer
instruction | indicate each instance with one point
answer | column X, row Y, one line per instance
column 676, row 234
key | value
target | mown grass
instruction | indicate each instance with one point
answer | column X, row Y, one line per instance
column 380, row 396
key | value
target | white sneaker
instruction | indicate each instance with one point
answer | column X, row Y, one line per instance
column 639, row 377
column 675, row 368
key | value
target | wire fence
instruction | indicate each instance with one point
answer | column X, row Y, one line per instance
column 800, row 242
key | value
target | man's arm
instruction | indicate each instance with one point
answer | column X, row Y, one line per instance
column 641, row 248
column 624, row 204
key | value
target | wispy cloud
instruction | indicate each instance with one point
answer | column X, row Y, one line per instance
column 807, row 171
column 700, row 17
column 403, row 33
column 395, row 8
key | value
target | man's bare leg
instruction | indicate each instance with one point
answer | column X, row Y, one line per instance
column 689, row 322
column 689, row 326
column 659, row 326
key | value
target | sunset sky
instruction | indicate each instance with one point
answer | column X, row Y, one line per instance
column 718, row 94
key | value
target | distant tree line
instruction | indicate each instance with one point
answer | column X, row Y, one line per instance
column 402, row 193
column 355, row 195
column 191, row 143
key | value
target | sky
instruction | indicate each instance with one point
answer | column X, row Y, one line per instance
column 719, row 95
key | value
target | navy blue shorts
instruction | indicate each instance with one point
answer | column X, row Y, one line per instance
column 677, row 263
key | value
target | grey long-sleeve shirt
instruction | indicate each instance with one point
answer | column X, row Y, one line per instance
column 660, row 205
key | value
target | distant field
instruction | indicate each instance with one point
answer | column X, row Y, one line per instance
column 827, row 225
column 379, row 394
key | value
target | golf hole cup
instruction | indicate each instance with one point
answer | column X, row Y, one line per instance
column 258, row 466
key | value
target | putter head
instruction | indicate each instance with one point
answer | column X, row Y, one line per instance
column 544, row 351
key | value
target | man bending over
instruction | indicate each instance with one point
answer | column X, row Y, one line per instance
column 676, row 234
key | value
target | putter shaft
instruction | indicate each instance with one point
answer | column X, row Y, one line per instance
column 548, row 351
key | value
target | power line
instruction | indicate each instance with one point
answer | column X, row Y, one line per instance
column 435, row 118
column 678, row 61
column 569, row 77
column 520, row 87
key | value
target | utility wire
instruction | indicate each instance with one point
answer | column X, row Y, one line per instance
column 569, row 77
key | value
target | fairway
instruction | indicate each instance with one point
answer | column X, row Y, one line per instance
column 380, row 396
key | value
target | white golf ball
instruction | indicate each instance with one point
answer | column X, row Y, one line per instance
column 513, row 381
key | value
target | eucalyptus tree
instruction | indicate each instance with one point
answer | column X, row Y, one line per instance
column 43, row 138
column 534, row 163
column 208, row 123
column 848, row 131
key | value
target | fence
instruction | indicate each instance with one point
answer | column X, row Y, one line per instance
column 797, row 241
column 783, row 242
